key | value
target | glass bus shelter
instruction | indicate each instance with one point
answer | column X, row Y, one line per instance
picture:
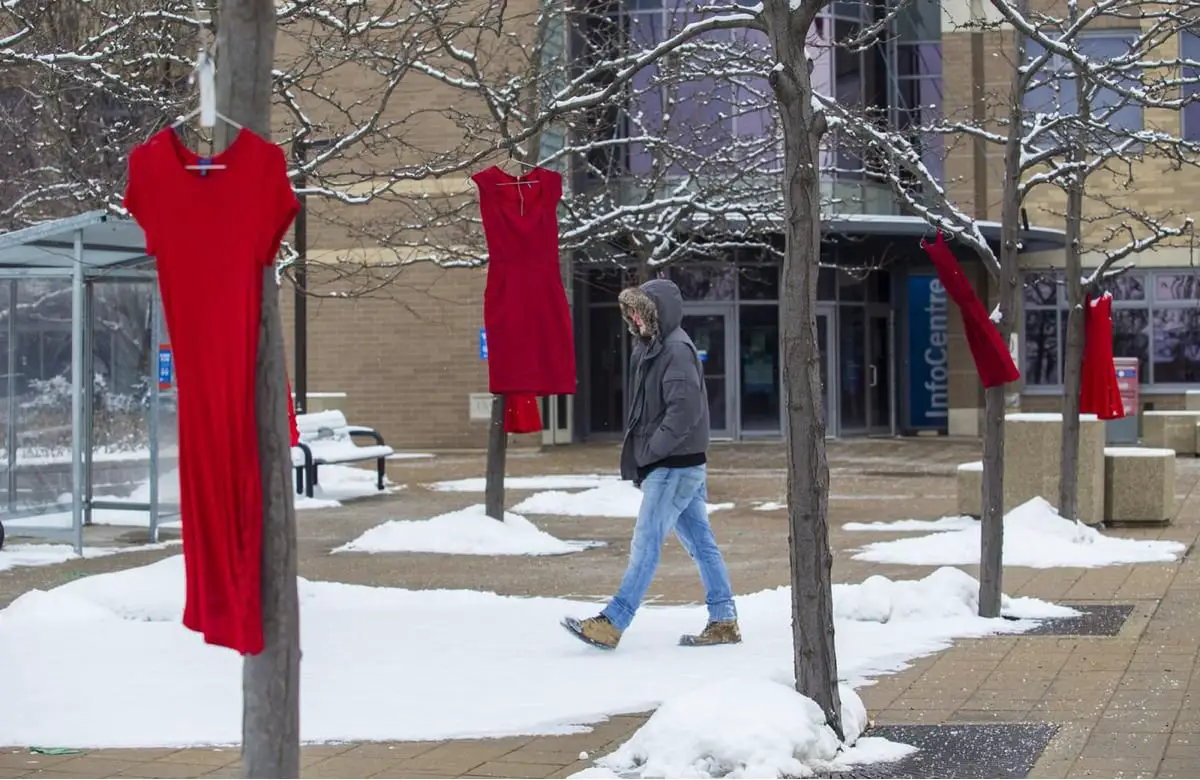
column 87, row 407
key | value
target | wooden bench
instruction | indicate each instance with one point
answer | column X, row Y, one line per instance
column 1139, row 484
column 326, row 439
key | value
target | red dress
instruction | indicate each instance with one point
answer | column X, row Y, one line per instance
column 531, row 344
column 212, row 234
column 993, row 361
column 1098, row 392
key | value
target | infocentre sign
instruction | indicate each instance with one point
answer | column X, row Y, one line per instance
column 928, row 355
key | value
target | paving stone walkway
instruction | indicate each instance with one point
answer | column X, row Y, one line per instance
column 1127, row 705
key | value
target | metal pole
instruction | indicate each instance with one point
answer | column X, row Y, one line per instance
column 152, row 423
column 89, row 398
column 77, row 476
column 11, row 436
column 300, row 287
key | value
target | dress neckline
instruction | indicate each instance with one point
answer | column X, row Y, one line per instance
column 182, row 156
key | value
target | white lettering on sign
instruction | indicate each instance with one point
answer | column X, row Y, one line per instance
column 936, row 355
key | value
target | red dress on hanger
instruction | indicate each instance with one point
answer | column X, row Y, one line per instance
column 531, row 344
column 213, row 233
column 1099, row 393
column 993, row 361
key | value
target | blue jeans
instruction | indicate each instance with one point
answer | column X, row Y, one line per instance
column 673, row 499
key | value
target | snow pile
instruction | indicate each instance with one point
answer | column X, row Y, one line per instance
column 1034, row 535
column 546, row 482
column 944, row 524
column 770, row 506
column 14, row 555
column 744, row 727
column 945, row 594
column 610, row 499
column 355, row 638
column 465, row 532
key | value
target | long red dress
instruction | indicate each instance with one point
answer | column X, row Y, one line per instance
column 1099, row 393
column 993, row 361
column 212, row 233
column 530, row 341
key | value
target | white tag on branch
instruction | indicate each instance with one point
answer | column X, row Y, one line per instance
column 208, row 91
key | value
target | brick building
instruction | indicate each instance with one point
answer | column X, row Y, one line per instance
column 895, row 360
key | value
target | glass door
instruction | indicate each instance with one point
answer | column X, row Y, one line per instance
column 854, row 374
column 825, row 344
column 879, row 371
column 711, row 333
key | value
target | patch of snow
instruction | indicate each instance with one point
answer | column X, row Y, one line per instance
column 742, row 727
column 1034, row 535
column 1044, row 417
column 944, row 524
column 14, row 555
column 465, row 532
column 610, row 499
column 355, row 638
column 770, row 506
column 547, row 482
column 972, row 466
column 1139, row 452
column 410, row 455
column 344, row 483
column 1166, row 413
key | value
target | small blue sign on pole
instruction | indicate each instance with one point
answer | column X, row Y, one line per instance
column 703, row 354
column 482, row 344
column 164, row 366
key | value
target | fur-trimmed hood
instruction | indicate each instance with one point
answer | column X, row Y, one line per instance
column 659, row 305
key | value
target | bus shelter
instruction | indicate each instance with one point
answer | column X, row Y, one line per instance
column 89, row 411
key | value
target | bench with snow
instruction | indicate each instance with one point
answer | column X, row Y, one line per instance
column 1139, row 484
column 1171, row 430
column 326, row 439
column 970, row 488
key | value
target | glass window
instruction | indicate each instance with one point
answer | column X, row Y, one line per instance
column 1041, row 289
column 1041, row 347
column 758, row 282
column 850, row 287
column 826, row 286
column 1176, row 287
column 1054, row 90
column 705, row 282
column 603, row 284
column 1176, row 346
column 1131, row 337
column 1189, row 49
column 1128, row 287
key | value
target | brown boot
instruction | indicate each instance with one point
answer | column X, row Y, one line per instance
column 596, row 631
column 717, row 632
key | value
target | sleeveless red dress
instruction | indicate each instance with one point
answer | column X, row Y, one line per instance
column 530, row 340
column 1099, row 393
column 212, row 234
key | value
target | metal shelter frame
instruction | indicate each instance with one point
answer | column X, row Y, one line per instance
column 84, row 248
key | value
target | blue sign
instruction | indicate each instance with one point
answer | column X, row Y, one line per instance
column 164, row 366
column 928, row 353
column 703, row 354
column 482, row 344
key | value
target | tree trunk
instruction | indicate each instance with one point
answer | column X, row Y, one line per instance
column 991, row 553
column 271, row 680
column 808, row 470
column 497, row 455
column 1068, row 461
column 1068, row 475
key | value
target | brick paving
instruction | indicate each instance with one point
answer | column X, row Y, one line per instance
column 1127, row 705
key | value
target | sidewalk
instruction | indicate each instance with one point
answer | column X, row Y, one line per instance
column 1127, row 705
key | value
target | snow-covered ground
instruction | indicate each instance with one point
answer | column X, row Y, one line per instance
column 1034, row 535
column 545, row 482
column 14, row 555
column 465, row 532
column 393, row 664
column 338, row 484
column 609, row 499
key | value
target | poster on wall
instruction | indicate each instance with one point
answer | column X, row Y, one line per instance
column 928, row 356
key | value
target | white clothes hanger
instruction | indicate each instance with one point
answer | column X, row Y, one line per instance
column 205, row 74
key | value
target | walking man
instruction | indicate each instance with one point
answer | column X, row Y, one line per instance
column 664, row 453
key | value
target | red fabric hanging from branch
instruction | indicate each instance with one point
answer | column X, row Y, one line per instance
column 1098, row 392
column 993, row 362
column 521, row 414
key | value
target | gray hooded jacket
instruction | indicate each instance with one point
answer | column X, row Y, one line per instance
column 668, row 403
